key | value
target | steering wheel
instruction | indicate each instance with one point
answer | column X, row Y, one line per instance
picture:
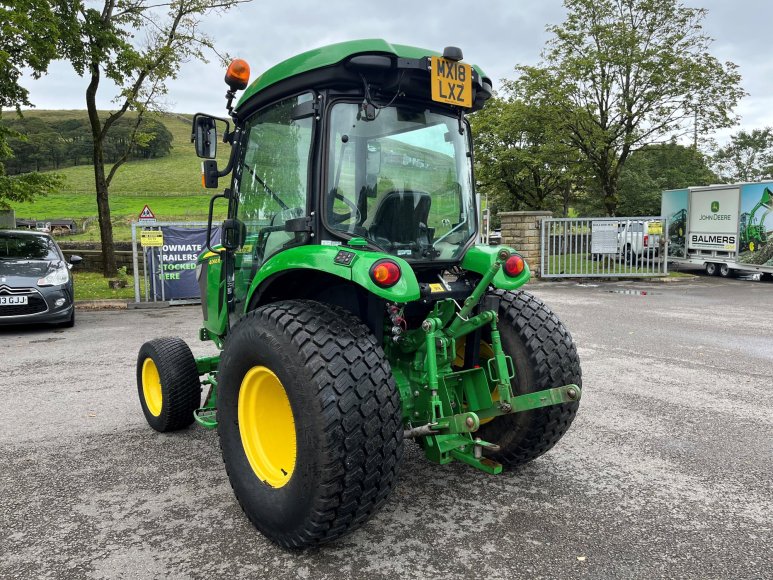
column 342, row 217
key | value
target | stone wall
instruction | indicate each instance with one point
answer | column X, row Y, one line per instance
column 91, row 252
column 521, row 230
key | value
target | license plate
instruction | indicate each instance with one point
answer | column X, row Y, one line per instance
column 451, row 82
column 12, row 300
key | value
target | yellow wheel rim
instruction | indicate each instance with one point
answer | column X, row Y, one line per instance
column 267, row 427
column 486, row 352
column 151, row 387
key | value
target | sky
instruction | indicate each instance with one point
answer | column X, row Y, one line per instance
column 495, row 34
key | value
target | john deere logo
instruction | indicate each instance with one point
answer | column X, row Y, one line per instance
column 715, row 206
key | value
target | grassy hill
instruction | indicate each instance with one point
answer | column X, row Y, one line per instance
column 171, row 185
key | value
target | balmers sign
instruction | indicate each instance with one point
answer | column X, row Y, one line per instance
column 714, row 219
column 713, row 241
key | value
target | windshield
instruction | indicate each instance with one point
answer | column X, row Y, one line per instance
column 402, row 180
column 27, row 247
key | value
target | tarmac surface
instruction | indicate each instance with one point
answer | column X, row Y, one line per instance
column 666, row 472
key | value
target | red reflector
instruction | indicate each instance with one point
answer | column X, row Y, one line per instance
column 385, row 273
column 514, row 265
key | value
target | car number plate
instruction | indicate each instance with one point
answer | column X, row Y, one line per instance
column 12, row 300
column 451, row 82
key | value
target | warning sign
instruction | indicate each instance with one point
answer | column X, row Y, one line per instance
column 151, row 238
column 146, row 215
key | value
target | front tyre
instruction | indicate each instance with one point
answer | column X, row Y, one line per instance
column 544, row 357
column 168, row 383
column 309, row 420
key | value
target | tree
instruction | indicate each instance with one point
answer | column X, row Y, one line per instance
column 28, row 35
column 628, row 73
column 655, row 168
column 748, row 156
column 103, row 44
column 520, row 160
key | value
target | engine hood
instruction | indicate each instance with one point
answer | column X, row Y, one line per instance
column 16, row 273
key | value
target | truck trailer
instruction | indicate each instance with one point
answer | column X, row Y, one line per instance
column 725, row 229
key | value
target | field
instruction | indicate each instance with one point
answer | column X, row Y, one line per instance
column 170, row 185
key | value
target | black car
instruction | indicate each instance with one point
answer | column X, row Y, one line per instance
column 35, row 280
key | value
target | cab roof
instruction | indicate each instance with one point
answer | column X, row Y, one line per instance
column 330, row 55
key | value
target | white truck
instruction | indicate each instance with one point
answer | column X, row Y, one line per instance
column 639, row 239
column 725, row 229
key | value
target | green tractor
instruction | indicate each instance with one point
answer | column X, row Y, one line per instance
column 753, row 232
column 349, row 300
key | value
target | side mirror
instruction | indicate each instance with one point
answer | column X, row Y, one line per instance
column 75, row 260
column 204, row 136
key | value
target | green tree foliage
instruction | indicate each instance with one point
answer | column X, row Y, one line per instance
column 655, row 168
column 628, row 73
column 29, row 30
column 748, row 157
column 40, row 145
column 521, row 162
column 139, row 45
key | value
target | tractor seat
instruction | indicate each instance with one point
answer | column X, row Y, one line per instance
column 401, row 218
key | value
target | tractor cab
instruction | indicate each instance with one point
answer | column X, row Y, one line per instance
column 361, row 146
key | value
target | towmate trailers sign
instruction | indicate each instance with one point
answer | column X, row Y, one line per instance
column 714, row 219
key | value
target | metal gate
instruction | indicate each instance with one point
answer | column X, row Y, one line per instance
column 603, row 247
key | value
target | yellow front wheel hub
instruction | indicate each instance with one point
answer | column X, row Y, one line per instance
column 267, row 427
column 151, row 387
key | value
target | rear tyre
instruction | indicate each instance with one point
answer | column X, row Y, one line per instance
column 168, row 383
column 544, row 357
column 309, row 419
column 711, row 268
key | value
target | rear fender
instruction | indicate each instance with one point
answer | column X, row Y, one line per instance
column 323, row 259
column 479, row 259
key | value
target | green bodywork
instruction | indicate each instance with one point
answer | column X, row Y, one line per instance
column 753, row 230
column 443, row 404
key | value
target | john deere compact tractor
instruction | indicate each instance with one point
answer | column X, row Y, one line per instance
column 349, row 300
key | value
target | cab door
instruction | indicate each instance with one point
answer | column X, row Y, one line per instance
column 271, row 186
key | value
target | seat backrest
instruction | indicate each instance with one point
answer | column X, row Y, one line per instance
column 401, row 217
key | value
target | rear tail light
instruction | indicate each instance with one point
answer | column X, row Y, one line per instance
column 514, row 265
column 646, row 240
column 385, row 273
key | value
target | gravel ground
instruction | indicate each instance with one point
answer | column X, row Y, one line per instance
column 666, row 471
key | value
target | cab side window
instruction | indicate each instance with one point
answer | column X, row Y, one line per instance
column 273, row 177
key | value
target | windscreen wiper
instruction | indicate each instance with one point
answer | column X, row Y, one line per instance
column 267, row 189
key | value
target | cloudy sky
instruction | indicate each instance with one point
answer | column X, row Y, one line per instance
column 495, row 34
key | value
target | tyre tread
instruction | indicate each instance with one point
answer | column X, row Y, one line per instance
column 553, row 358
column 362, row 425
column 180, row 381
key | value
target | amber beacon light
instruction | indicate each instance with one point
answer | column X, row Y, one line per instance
column 238, row 74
